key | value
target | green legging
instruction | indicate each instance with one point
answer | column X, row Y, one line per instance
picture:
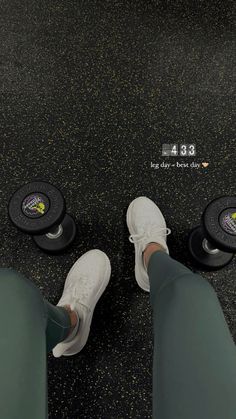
column 194, row 360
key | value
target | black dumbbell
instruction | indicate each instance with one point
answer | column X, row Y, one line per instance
column 213, row 244
column 39, row 209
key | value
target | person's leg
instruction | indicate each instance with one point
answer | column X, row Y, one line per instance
column 194, row 360
column 30, row 326
column 62, row 324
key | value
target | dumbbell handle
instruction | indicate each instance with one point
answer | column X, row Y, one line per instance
column 209, row 248
column 55, row 232
column 215, row 225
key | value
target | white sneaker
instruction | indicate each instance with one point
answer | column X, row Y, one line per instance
column 84, row 285
column 146, row 224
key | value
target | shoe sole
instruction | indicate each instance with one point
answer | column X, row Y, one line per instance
column 84, row 337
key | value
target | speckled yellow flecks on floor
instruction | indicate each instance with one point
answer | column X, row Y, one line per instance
column 90, row 90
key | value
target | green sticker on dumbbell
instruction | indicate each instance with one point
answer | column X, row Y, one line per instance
column 35, row 205
column 228, row 221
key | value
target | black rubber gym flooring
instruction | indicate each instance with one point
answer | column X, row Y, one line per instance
column 90, row 90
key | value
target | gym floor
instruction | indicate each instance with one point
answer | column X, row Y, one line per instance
column 90, row 90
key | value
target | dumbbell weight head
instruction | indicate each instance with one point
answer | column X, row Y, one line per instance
column 59, row 238
column 213, row 244
column 204, row 253
column 219, row 222
column 38, row 209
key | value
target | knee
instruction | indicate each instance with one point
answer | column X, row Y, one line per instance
column 21, row 303
column 9, row 273
column 10, row 277
column 15, row 286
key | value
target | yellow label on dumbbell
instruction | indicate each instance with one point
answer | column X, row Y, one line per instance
column 35, row 205
column 40, row 207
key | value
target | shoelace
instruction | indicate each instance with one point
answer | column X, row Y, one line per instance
column 135, row 238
